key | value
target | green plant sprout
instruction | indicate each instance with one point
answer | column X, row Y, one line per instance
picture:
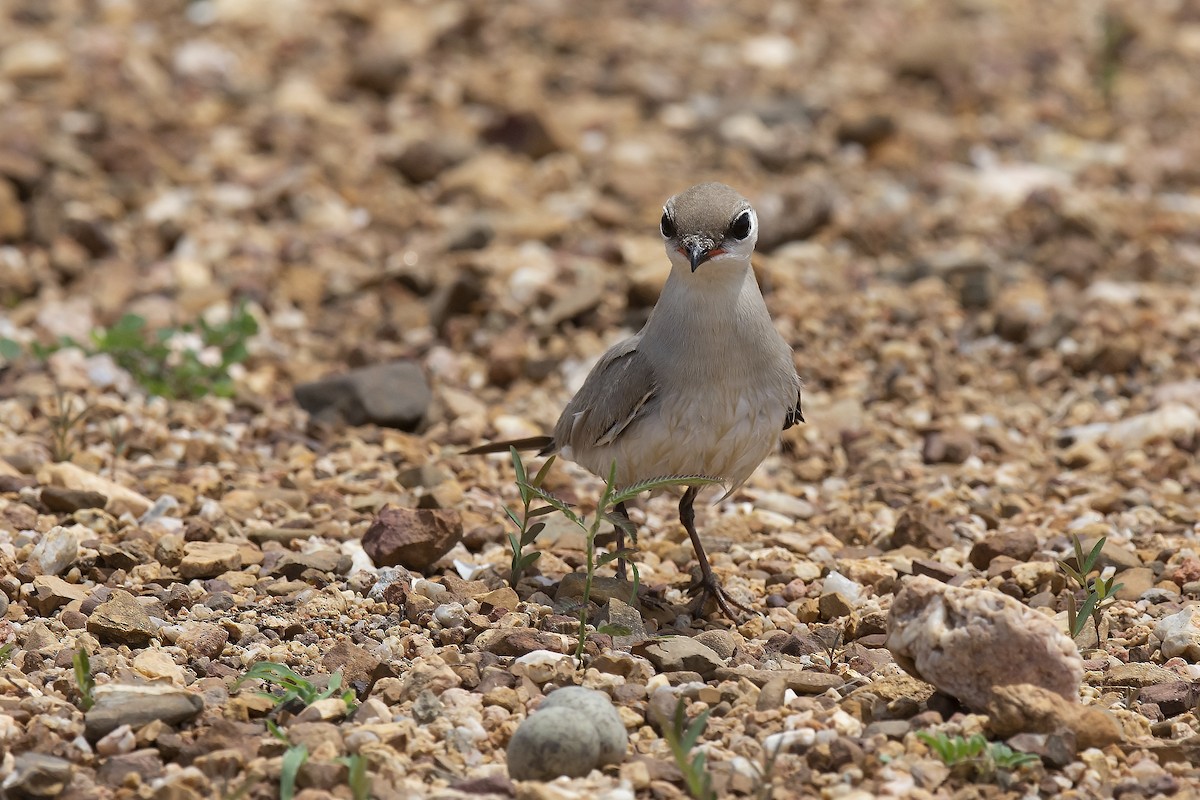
column 982, row 756
column 187, row 362
column 682, row 738
column 83, row 679
column 526, row 532
column 295, row 687
column 609, row 498
column 1098, row 592
column 357, row 778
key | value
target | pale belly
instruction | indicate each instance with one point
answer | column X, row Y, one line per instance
column 703, row 433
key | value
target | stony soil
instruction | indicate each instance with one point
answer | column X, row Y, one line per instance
column 980, row 235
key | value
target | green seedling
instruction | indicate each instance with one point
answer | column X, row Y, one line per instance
column 65, row 422
column 293, row 759
column 682, row 739
column 982, row 757
column 188, row 361
column 609, row 500
column 6, row 652
column 527, row 530
column 83, row 679
column 357, row 778
column 295, row 687
column 1098, row 592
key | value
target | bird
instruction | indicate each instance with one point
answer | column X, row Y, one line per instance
column 703, row 389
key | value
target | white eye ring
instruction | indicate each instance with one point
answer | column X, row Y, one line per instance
column 741, row 226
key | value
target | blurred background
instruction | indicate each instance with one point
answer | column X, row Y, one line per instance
column 968, row 206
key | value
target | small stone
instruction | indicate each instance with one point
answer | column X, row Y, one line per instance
column 1173, row 698
column 919, row 527
column 1179, row 634
column 950, row 446
column 208, row 559
column 1135, row 582
column 834, row 605
column 202, row 639
column 518, row 641
column 67, row 501
column 1138, row 675
column 412, row 538
column 33, row 58
column 680, row 654
column 121, row 704
column 1054, row 749
column 122, row 620
column 627, row 618
column 38, row 775
column 1018, row 545
column 553, row 742
column 71, row 476
column 294, row 565
column 772, row 694
column 724, row 643
column 57, row 549
column 604, row 588
column 598, row 708
column 354, row 662
column 394, row 395
column 51, row 593
column 968, row 642
column 891, row 728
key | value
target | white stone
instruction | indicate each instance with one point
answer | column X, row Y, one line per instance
column 1180, row 634
column 58, row 549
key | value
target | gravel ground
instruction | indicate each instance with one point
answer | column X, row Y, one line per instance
column 980, row 234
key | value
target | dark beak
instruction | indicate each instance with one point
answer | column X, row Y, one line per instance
column 698, row 251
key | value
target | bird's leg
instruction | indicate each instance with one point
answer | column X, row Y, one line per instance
column 708, row 581
column 620, row 532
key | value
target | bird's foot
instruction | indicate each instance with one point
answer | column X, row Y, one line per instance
column 706, row 586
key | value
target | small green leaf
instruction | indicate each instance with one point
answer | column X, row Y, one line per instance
column 9, row 350
column 531, row 534
column 541, row 512
column 540, row 478
column 522, row 479
column 293, row 760
column 512, row 516
column 696, row 730
column 559, row 505
column 528, row 559
column 1093, row 556
column 1085, row 612
column 614, row 630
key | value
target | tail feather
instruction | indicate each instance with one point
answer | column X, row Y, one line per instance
column 539, row 443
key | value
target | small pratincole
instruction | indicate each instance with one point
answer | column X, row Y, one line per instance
column 707, row 385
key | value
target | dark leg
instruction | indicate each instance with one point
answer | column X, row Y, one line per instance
column 620, row 532
column 708, row 581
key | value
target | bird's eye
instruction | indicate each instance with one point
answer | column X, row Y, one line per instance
column 667, row 226
column 740, row 227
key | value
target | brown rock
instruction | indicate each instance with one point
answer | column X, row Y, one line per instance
column 680, row 653
column 51, row 593
column 412, row 538
column 58, row 498
column 208, row 559
column 1025, row 708
column 1172, row 698
column 1134, row 582
column 967, row 642
column 122, row 620
column 950, row 446
column 355, row 663
column 1018, row 545
column 920, row 528
column 202, row 639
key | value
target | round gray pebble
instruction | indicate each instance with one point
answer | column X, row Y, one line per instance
column 553, row 742
column 595, row 706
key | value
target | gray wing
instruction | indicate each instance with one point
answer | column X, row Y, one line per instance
column 618, row 390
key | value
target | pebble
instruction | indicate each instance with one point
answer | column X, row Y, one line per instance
column 597, row 708
column 551, row 743
column 122, row 620
column 122, row 704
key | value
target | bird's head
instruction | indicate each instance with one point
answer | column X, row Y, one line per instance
column 708, row 224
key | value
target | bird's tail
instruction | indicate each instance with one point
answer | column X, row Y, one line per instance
column 539, row 443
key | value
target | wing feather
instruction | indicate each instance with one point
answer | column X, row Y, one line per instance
column 619, row 389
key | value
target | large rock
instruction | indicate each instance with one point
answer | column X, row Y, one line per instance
column 136, row 705
column 394, row 395
column 413, row 538
column 1022, row 708
column 967, row 642
column 208, row 559
column 552, row 743
column 598, row 708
